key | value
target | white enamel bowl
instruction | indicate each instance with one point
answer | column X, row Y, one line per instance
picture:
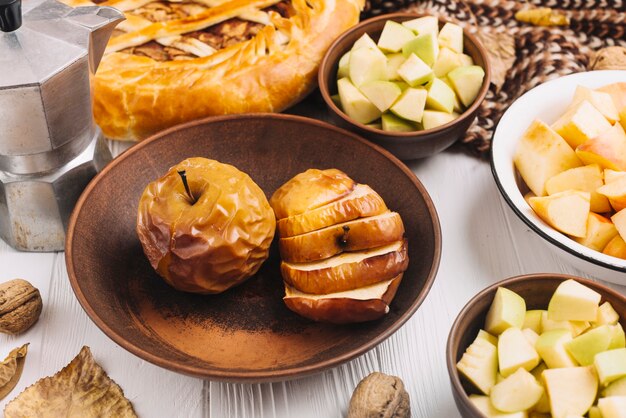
column 547, row 102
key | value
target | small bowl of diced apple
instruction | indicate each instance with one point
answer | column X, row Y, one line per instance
column 408, row 82
column 544, row 345
column 559, row 160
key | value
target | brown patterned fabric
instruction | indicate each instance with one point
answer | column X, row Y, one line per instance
column 541, row 53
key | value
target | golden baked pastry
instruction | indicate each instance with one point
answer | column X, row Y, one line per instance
column 173, row 61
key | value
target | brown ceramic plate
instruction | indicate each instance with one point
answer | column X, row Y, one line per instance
column 245, row 334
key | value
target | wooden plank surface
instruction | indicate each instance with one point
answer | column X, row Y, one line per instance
column 483, row 242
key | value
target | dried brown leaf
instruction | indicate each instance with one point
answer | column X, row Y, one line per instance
column 542, row 16
column 81, row 389
column 610, row 58
column 500, row 47
column 11, row 370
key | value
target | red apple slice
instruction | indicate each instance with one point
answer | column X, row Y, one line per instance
column 347, row 271
column 359, row 234
column 358, row 305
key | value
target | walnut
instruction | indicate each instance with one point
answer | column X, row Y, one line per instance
column 610, row 58
column 20, row 306
column 380, row 396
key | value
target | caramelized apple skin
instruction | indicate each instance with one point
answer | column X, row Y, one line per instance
column 210, row 243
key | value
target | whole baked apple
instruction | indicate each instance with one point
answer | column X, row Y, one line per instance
column 205, row 226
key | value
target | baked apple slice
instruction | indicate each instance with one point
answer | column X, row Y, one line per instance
column 347, row 271
column 359, row 234
column 361, row 202
column 358, row 305
column 310, row 190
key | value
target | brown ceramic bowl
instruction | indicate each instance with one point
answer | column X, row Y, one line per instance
column 245, row 334
column 536, row 289
column 404, row 145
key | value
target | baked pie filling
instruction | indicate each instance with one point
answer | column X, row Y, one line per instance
column 170, row 30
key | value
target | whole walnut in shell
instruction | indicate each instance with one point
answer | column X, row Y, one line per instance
column 380, row 396
column 20, row 306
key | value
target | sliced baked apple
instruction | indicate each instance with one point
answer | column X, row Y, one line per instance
column 359, row 305
column 359, row 234
column 347, row 271
column 310, row 190
column 362, row 202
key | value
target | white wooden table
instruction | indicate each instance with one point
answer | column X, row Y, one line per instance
column 483, row 242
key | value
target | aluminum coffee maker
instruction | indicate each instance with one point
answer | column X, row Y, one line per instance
column 50, row 147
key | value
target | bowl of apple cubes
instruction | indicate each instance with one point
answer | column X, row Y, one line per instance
column 408, row 82
column 559, row 160
column 540, row 345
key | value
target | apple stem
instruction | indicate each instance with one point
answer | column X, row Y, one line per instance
column 183, row 176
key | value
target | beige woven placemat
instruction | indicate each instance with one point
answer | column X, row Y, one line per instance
column 537, row 54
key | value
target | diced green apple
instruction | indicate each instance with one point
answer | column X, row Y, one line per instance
column 572, row 390
column 367, row 65
column 440, row 96
column 423, row 25
column 365, row 41
column 447, row 61
column 518, row 392
column 613, row 407
column 551, row 348
column 466, row 60
column 574, row 327
column 432, row 118
column 355, row 104
column 424, row 46
column 507, row 310
column 606, row 315
column 451, row 36
column 415, row 71
column 515, row 351
column 585, row 347
column 483, row 404
column 343, row 69
column 610, row 365
column 543, row 405
column 573, row 301
column 532, row 320
column 394, row 61
column 467, row 82
column 487, row 337
column 375, row 125
column 531, row 336
column 594, row 412
column 411, row 104
column 336, row 100
column 479, row 364
column 393, row 36
column 381, row 93
column 616, row 388
column 619, row 339
column 392, row 123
